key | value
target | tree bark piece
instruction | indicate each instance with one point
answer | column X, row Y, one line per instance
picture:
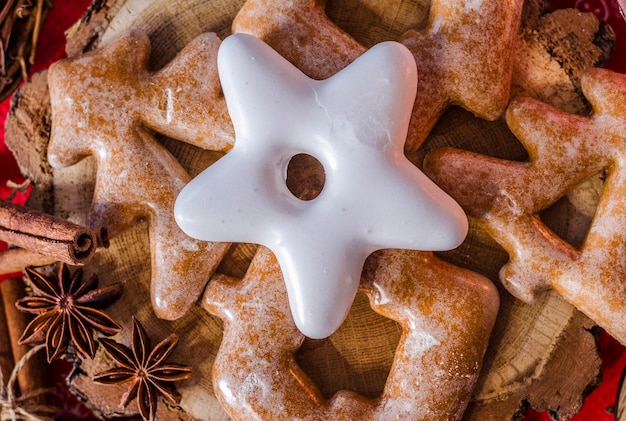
column 27, row 133
column 85, row 34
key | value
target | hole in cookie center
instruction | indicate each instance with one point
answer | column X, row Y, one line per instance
column 305, row 177
column 357, row 357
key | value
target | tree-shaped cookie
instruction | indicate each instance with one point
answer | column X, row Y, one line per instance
column 464, row 55
column 506, row 197
column 301, row 32
column 256, row 375
column 106, row 104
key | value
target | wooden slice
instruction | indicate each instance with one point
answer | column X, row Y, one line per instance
column 542, row 355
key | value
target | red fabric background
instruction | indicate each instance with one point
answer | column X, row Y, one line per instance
column 598, row 406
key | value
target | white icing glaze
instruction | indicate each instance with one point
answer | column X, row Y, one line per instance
column 355, row 124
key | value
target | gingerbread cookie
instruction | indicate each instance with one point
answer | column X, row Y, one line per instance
column 106, row 104
column 354, row 123
column 435, row 367
column 506, row 197
column 464, row 57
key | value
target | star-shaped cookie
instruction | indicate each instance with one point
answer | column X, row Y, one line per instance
column 106, row 104
column 506, row 197
column 354, row 124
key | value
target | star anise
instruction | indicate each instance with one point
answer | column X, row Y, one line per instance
column 145, row 369
column 67, row 310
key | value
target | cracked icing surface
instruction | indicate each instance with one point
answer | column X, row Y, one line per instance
column 564, row 150
column 446, row 315
column 355, row 124
column 105, row 104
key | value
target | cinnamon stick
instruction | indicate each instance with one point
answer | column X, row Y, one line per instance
column 48, row 235
column 15, row 260
column 30, row 377
column 6, row 354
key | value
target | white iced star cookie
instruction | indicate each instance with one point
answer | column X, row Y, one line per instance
column 355, row 125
